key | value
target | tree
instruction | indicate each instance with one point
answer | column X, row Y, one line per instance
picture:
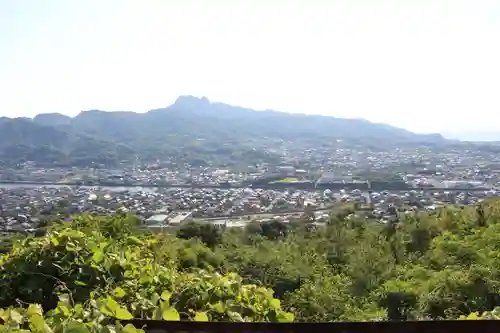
column 274, row 229
column 322, row 299
column 399, row 305
column 207, row 233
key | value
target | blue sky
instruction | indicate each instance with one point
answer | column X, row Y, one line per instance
column 426, row 65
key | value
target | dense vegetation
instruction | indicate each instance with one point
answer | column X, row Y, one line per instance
column 91, row 269
column 84, row 272
column 191, row 130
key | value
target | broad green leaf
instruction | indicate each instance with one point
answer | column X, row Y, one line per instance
column 34, row 309
column 63, row 308
column 76, row 327
column 105, row 310
column 134, row 240
column 123, row 314
column 219, row 307
column 201, row 316
column 166, row 295
column 285, row 317
column 16, row 317
column 98, row 256
column 79, row 309
column 112, row 305
column 145, row 279
column 80, row 283
column 275, row 303
column 38, row 324
column 54, row 240
column 154, row 299
column 171, row 314
column 129, row 328
column 164, row 306
column 119, row 292
column 473, row 316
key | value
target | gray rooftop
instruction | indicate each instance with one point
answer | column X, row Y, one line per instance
column 157, row 219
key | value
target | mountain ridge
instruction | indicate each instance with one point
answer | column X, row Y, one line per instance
column 190, row 126
column 192, row 101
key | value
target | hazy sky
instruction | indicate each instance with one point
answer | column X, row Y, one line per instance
column 426, row 65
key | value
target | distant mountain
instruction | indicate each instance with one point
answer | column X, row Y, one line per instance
column 52, row 119
column 23, row 139
column 199, row 117
column 192, row 129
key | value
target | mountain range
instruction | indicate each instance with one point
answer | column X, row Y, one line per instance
column 192, row 129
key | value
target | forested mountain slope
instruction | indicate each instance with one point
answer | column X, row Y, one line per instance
column 193, row 129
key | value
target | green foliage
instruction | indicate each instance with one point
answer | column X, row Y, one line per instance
column 322, row 299
column 436, row 266
column 94, row 270
column 66, row 318
column 486, row 315
column 207, row 233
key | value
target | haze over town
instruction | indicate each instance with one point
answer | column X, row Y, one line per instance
column 427, row 66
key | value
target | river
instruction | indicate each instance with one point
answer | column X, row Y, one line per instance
column 106, row 188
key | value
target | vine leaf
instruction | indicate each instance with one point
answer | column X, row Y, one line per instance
column 171, row 314
column 201, row 316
